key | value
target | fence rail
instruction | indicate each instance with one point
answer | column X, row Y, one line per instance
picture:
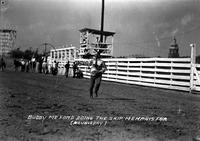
column 169, row 73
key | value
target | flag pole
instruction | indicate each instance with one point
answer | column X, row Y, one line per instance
column 102, row 24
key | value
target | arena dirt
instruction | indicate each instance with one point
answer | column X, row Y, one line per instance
column 38, row 107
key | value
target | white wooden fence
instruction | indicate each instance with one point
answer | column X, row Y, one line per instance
column 156, row 72
column 169, row 73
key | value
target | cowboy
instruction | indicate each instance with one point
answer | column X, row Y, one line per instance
column 98, row 67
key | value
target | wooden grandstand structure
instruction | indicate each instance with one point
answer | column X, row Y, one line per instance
column 90, row 42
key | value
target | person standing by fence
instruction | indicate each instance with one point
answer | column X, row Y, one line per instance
column 2, row 64
column 67, row 65
column 74, row 69
column 98, row 67
column 55, row 68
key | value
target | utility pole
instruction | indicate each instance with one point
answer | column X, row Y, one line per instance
column 102, row 21
column 102, row 26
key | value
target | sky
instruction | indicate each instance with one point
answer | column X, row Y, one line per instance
column 142, row 27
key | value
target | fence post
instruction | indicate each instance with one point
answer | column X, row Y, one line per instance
column 155, row 67
column 117, row 63
column 192, row 62
column 85, row 70
column 127, row 76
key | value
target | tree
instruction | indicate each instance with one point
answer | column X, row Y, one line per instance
column 27, row 54
column 17, row 53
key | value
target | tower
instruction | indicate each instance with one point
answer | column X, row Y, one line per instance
column 173, row 50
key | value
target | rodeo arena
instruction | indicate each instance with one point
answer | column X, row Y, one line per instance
column 86, row 94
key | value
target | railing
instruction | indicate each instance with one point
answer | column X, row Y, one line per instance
column 196, row 77
column 170, row 73
column 156, row 72
column 106, row 51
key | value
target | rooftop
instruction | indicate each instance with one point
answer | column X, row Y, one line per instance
column 7, row 30
column 95, row 31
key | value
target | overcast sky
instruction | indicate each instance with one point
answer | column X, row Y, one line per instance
column 142, row 27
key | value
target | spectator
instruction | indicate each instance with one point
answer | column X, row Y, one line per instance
column 22, row 65
column 55, row 68
column 74, row 69
column 79, row 73
column 2, row 64
column 27, row 66
column 67, row 65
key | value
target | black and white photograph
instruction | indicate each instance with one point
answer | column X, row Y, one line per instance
column 99, row 70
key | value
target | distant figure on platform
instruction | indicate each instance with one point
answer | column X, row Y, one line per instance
column 2, row 64
column 74, row 69
column 98, row 67
column 67, row 65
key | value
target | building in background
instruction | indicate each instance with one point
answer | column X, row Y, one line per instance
column 7, row 32
column 173, row 50
column 7, row 40
column 62, row 55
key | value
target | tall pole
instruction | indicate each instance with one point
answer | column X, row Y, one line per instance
column 102, row 21
column 1, row 29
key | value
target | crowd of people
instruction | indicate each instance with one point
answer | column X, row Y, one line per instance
column 43, row 66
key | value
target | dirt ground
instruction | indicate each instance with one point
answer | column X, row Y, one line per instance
column 38, row 107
